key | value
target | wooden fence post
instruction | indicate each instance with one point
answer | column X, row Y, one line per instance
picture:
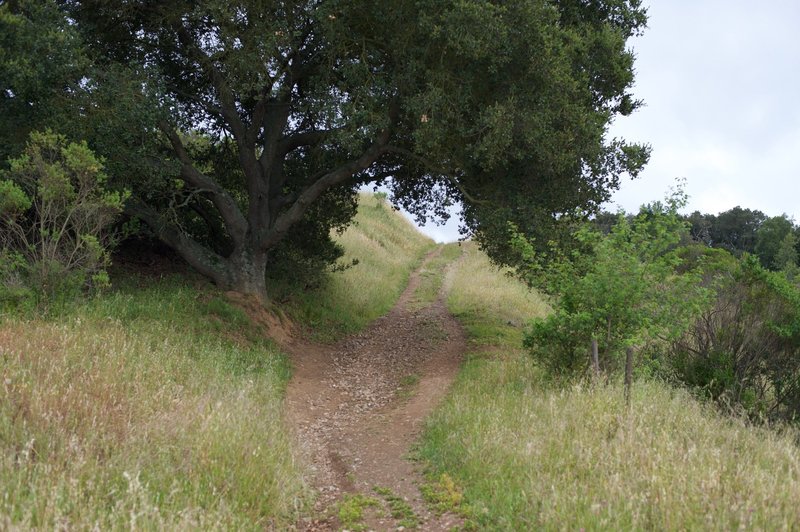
column 628, row 375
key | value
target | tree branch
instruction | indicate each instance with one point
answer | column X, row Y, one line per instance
column 307, row 138
column 189, row 197
column 226, row 97
column 275, row 118
column 225, row 204
column 198, row 256
column 335, row 177
column 262, row 105
column 433, row 167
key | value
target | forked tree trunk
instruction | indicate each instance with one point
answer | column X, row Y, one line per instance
column 243, row 271
column 271, row 211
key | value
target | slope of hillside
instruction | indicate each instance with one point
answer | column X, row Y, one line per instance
column 529, row 455
column 151, row 407
column 357, row 407
column 386, row 247
column 159, row 404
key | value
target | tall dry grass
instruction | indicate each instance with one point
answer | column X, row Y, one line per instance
column 535, row 456
column 136, row 411
column 160, row 406
column 387, row 247
column 491, row 304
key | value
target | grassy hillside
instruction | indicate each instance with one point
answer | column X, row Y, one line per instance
column 531, row 456
column 159, row 404
column 387, row 247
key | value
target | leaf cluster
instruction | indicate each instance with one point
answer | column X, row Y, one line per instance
column 621, row 289
column 775, row 240
column 41, row 66
column 56, row 215
column 743, row 351
column 227, row 120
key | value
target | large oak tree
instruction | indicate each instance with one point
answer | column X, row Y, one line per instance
column 501, row 105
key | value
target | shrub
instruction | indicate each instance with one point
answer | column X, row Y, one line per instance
column 621, row 289
column 744, row 350
column 56, row 216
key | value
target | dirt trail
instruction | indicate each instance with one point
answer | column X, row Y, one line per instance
column 357, row 407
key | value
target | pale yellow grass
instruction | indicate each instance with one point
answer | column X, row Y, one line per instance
column 492, row 304
column 537, row 456
column 387, row 247
column 160, row 407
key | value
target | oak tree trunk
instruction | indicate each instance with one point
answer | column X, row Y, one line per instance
column 248, row 273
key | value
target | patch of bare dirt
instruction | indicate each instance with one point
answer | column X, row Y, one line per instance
column 357, row 407
column 276, row 325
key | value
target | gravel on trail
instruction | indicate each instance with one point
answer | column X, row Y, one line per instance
column 356, row 408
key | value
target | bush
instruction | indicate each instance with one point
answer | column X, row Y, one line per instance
column 744, row 350
column 622, row 289
column 56, row 216
column 723, row 326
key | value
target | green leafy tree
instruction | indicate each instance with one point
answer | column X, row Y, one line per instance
column 56, row 216
column 735, row 229
column 797, row 239
column 701, row 227
column 769, row 238
column 301, row 102
column 621, row 289
column 41, row 65
column 743, row 350
column 786, row 257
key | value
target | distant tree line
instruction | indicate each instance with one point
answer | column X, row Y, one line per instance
column 774, row 240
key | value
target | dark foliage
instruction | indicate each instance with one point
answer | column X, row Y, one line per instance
column 743, row 351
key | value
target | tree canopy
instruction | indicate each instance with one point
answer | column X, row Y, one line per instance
column 770, row 239
column 40, row 68
column 738, row 230
column 621, row 289
column 734, row 229
column 239, row 125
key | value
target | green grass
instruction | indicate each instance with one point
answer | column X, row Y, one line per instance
column 444, row 495
column 432, row 274
column 534, row 456
column 388, row 248
column 408, row 386
column 351, row 510
column 155, row 407
column 399, row 509
column 159, row 406
column 493, row 306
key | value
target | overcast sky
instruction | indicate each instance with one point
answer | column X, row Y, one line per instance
column 721, row 84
